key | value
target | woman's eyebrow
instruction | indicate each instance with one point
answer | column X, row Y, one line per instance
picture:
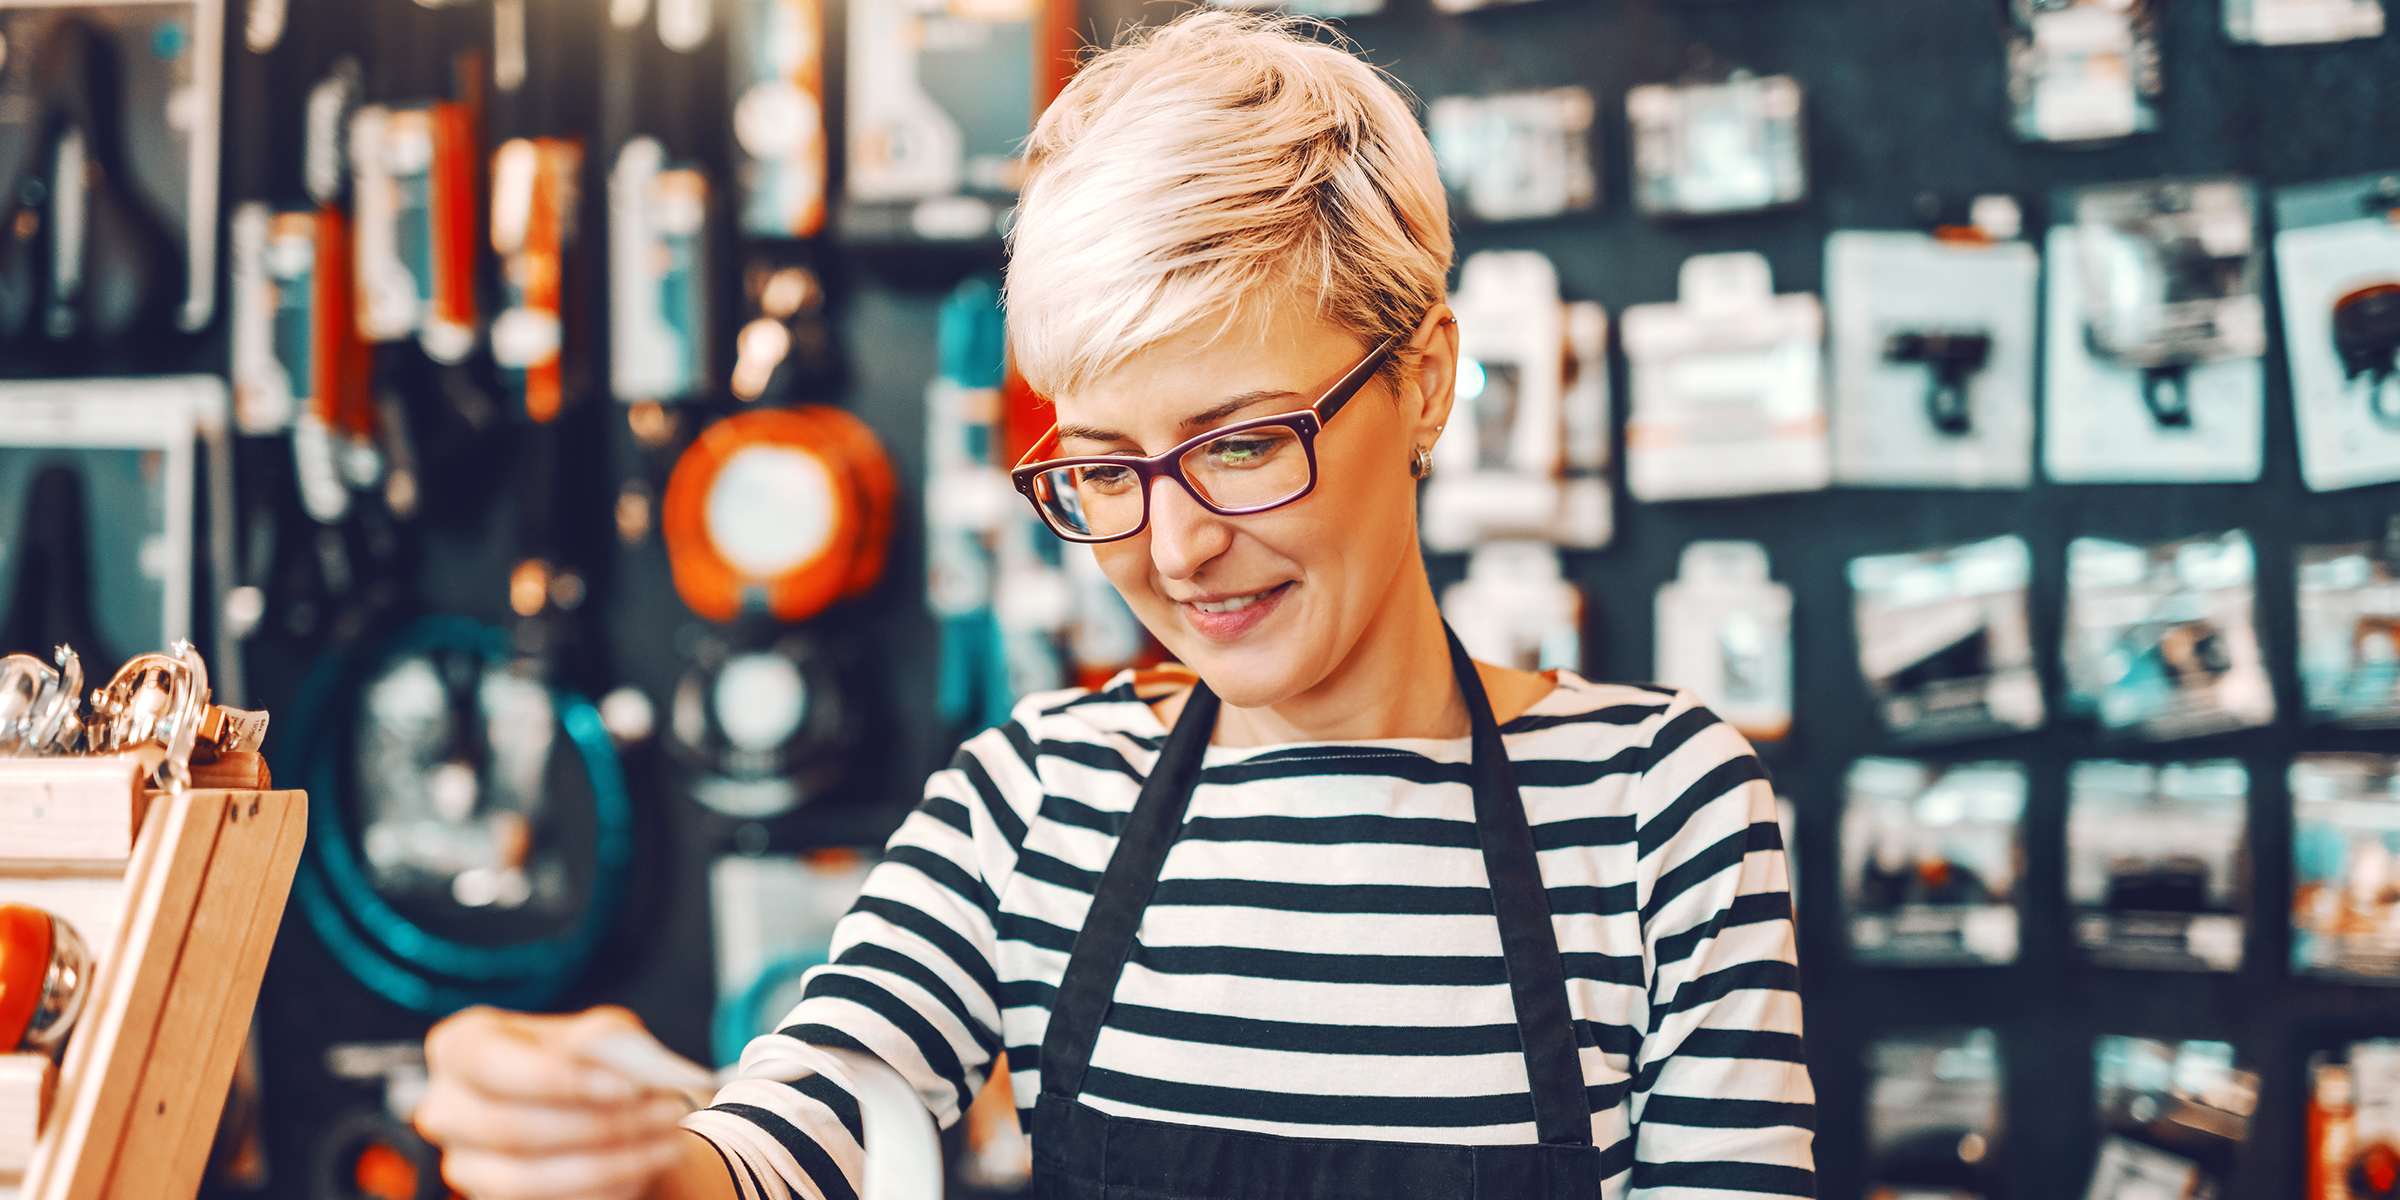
column 1199, row 420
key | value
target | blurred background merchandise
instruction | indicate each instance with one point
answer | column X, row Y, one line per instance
column 587, row 420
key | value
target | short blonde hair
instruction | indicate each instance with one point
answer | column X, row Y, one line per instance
column 1206, row 168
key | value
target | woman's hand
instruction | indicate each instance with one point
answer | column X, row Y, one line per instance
column 519, row 1116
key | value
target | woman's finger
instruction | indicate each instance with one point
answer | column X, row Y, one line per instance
column 527, row 1057
column 455, row 1114
column 623, row 1171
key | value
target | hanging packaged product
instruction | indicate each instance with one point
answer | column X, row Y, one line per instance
column 2083, row 70
column 109, row 144
column 2154, row 332
column 535, row 196
column 2350, row 633
column 940, row 98
column 1728, row 386
column 2176, row 1115
column 2346, row 866
column 2154, row 858
column 658, row 281
column 779, row 511
column 967, row 500
column 1033, row 604
column 2301, row 22
column 773, row 920
column 779, row 117
column 1933, row 342
column 413, row 173
column 1931, row 856
column 763, row 729
column 274, row 297
column 1528, row 449
column 2160, row 640
column 1725, row 633
column 472, row 838
column 1516, row 155
column 1944, row 643
column 2337, row 262
column 2354, row 1122
column 1934, row 1115
column 1516, row 608
column 98, row 489
column 786, row 350
column 1308, row 8
column 1104, row 637
column 1707, row 149
column 2349, row 608
column 1459, row 6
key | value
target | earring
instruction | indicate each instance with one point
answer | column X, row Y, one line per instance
column 1421, row 467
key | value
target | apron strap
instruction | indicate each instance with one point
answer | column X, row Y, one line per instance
column 1106, row 939
column 1537, row 978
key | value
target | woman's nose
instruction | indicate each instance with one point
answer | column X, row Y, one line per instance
column 1183, row 535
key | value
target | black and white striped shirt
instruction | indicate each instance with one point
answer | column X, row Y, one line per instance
column 1320, row 958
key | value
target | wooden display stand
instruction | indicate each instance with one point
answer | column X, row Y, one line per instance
column 178, row 898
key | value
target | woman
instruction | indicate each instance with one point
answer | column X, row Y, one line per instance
column 1279, row 931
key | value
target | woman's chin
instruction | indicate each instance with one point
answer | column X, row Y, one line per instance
column 1251, row 675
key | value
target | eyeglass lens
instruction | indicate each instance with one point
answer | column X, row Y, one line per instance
column 1246, row 469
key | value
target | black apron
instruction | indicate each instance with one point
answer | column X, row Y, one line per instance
column 1080, row 1153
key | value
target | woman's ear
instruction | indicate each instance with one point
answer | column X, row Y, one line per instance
column 1428, row 408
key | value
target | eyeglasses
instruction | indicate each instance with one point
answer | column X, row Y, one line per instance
column 1233, row 470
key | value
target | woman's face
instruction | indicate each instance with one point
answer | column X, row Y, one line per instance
column 1267, row 606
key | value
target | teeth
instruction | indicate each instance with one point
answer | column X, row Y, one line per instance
column 1236, row 604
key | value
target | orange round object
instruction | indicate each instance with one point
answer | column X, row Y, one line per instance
column 781, row 510
column 877, row 487
column 26, row 942
column 385, row 1174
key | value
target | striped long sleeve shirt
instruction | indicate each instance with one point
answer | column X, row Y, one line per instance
column 1320, row 958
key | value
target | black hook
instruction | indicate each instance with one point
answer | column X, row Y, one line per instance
column 1952, row 357
column 2167, row 393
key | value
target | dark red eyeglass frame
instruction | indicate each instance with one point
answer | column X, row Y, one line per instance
column 1304, row 422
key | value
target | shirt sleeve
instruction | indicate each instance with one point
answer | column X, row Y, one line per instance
column 911, row 982
column 1722, row 1104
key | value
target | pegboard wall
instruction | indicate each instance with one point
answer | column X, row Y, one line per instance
column 1904, row 98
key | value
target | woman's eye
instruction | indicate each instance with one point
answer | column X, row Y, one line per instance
column 1241, row 452
column 1104, row 478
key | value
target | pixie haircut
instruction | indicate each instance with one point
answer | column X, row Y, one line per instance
column 1206, row 170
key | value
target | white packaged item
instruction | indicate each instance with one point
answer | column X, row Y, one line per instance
column 1929, row 859
column 778, row 114
column 2350, row 634
column 2083, row 70
column 2100, row 426
column 2345, row 859
column 1517, row 155
column 2337, row 261
column 658, row 276
column 2300, row 22
column 2154, row 861
column 940, row 97
column 1934, row 1110
column 1932, row 359
column 1944, row 642
column 1526, row 446
column 1728, row 386
column 2160, row 640
column 1705, row 149
column 1516, row 609
column 1725, row 634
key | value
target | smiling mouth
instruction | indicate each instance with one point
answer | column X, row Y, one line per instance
column 1236, row 604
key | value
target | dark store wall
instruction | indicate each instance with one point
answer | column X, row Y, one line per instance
column 1904, row 97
